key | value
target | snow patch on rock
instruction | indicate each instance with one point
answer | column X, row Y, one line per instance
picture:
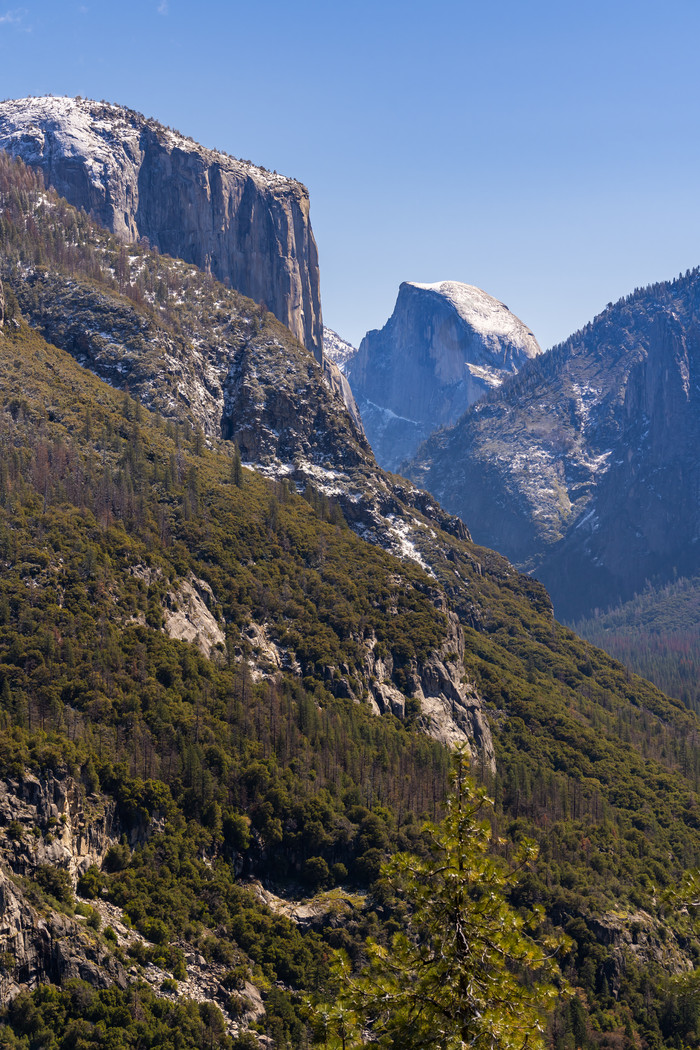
column 337, row 349
column 488, row 316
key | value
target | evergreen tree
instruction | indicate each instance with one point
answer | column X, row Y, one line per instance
column 236, row 467
column 465, row 973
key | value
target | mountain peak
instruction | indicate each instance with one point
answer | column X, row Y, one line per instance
column 248, row 226
column 444, row 346
column 489, row 317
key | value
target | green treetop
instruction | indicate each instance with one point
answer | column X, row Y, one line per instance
column 465, row 973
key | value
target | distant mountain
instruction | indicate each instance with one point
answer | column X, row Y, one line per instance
column 250, row 227
column 444, row 345
column 584, row 469
column 337, row 349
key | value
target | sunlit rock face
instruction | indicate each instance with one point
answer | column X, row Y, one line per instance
column 248, row 226
column 443, row 347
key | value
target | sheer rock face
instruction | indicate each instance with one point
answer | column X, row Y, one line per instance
column 584, row 469
column 443, row 347
column 51, row 948
column 73, row 833
column 246, row 225
column 336, row 381
column 77, row 832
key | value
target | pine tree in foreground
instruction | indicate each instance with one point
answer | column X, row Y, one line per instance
column 466, row 972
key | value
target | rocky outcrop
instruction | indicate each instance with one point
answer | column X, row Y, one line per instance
column 330, row 909
column 2, row 306
column 444, row 345
column 189, row 617
column 206, row 981
column 36, row 948
column 450, row 709
column 48, row 822
column 54, row 823
column 583, row 469
column 248, row 226
column 637, row 937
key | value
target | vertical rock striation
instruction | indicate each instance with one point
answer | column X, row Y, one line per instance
column 246, row 225
column 444, row 345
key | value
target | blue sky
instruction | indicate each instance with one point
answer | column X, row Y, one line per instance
column 547, row 152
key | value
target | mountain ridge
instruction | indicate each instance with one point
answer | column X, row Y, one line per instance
column 582, row 468
column 139, row 179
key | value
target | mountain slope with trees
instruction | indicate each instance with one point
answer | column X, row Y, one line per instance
column 657, row 635
column 267, row 758
column 583, row 469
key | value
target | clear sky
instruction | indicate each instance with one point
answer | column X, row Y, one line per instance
column 548, row 152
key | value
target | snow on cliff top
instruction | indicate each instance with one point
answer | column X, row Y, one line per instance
column 337, row 349
column 97, row 130
column 488, row 316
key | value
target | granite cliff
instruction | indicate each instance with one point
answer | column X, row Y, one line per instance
column 444, row 345
column 248, row 226
column 583, row 469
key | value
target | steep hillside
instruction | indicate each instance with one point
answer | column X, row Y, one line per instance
column 656, row 634
column 195, row 351
column 248, row 226
column 130, row 552
column 583, row 469
column 253, row 691
column 444, row 345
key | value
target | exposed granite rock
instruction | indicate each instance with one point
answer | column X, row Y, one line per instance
column 450, row 708
column 639, row 936
column 246, row 225
column 444, row 345
column 330, row 909
column 189, row 617
column 53, row 824
column 584, row 468
column 36, row 948
column 339, row 385
column 337, row 349
column 60, row 825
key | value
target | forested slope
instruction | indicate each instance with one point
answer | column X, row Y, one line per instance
column 656, row 634
column 267, row 758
